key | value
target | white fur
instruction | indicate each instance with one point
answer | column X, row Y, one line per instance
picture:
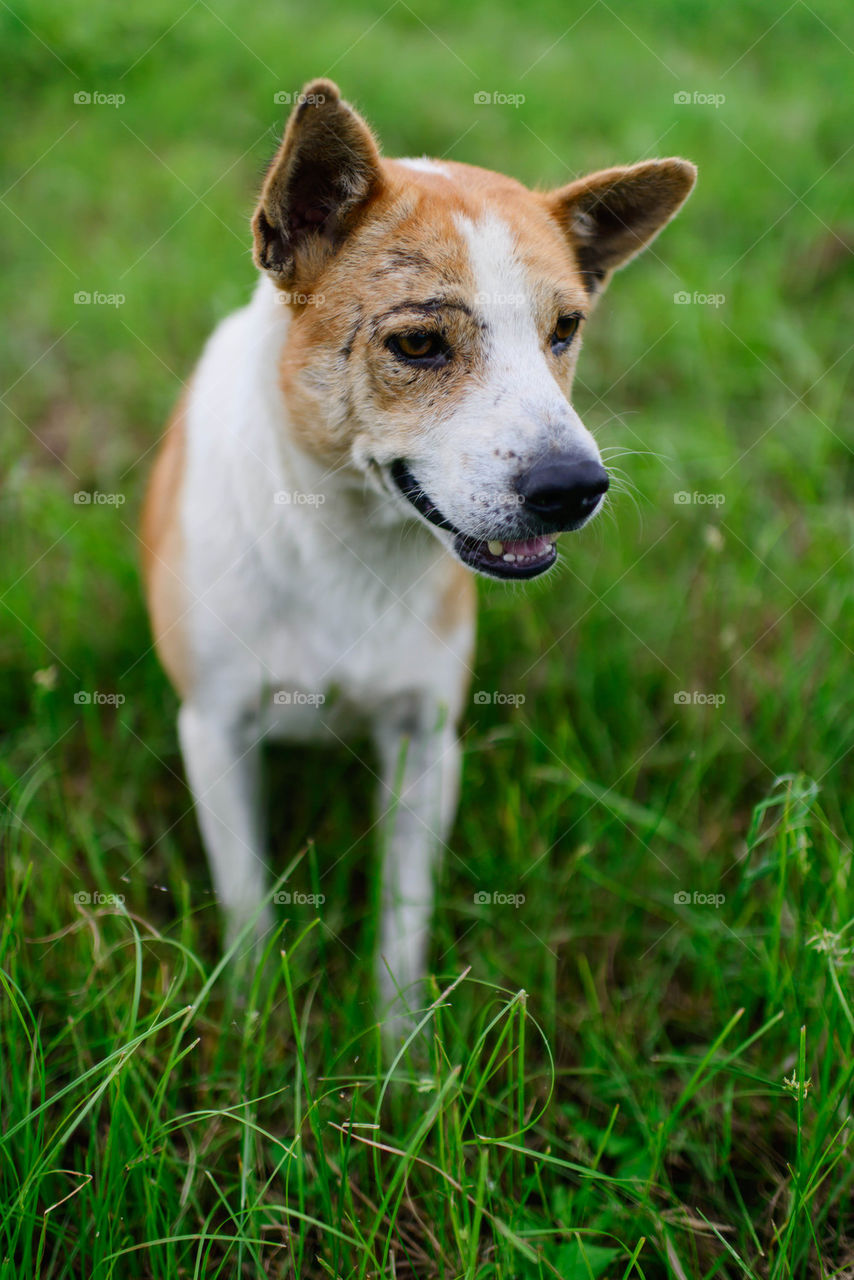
column 423, row 164
column 337, row 588
column 296, row 600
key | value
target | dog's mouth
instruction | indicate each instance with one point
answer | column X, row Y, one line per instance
column 520, row 558
column 504, row 558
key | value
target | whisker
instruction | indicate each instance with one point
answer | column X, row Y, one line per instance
column 624, row 490
column 618, row 451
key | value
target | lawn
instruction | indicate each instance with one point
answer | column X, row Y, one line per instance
column 643, row 1061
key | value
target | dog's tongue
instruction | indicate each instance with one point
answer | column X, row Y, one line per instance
column 524, row 549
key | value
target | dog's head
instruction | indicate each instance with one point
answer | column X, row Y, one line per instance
column 438, row 315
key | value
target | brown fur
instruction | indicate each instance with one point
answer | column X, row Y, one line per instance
column 409, row 249
column 458, row 601
column 360, row 235
column 162, row 547
column 612, row 215
column 321, row 181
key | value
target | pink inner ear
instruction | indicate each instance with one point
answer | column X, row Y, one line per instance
column 307, row 217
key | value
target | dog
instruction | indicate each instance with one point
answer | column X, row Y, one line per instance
column 387, row 419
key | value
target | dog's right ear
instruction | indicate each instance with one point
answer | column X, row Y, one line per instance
column 326, row 170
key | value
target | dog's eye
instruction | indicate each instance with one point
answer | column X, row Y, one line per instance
column 420, row 347
column 564, row 332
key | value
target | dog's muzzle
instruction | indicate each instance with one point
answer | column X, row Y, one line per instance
column 558, row 494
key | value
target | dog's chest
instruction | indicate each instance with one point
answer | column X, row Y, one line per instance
column 301, row 612
column 335, row 646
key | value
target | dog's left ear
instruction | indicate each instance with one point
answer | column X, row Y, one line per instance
column 611, row 215
column 324, row 173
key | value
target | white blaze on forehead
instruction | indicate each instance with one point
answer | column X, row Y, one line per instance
column 531, row 415
column 503, row 296
column 424, row 165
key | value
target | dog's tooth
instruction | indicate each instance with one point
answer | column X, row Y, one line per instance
column 496, row 548
column 509, row 557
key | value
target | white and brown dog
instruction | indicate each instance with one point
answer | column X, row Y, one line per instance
column 390, row 411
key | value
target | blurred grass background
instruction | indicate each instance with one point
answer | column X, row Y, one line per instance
column 639, row 1142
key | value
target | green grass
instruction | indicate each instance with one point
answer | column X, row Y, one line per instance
column 617, row 1081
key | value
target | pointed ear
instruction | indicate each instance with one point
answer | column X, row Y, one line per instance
column 326, row 169
column 611, row 215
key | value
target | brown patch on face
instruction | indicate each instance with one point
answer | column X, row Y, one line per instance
column 406, row 268
column 162, row 551
column 363, row 236
column 329, row 366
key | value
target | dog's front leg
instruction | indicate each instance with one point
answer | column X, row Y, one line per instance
column 420, row 760
column 223, row 766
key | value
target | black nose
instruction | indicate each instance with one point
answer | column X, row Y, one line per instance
column 561, row 490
